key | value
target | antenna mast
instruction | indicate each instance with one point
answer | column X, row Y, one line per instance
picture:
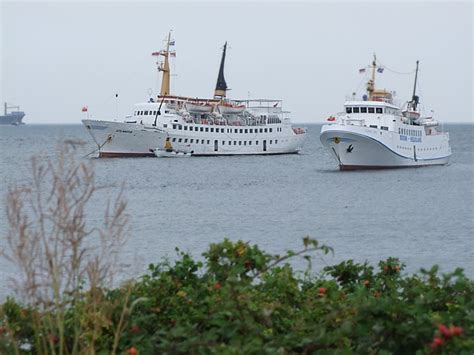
column 165, row 82
column 415, row 98
column 221, row 86
column 371, row 83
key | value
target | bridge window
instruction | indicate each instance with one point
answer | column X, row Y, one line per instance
column 363, row 110
column 348, row 109
column 185, row 128
column 378, row 110
column 371, row 110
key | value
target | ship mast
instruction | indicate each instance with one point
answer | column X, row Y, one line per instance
column 165, row 68
column 371, row 83
column 221, row 86
column 414, row 99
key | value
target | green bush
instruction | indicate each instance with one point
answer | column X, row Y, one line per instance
column 243, row 300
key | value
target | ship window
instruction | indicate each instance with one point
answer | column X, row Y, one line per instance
column 378, row 110
column 202, row 129
column 271, row 141
column 271, row 130
column 261, row 130
column 202, row 141
column 235, row 142
column 363, row 110
column 384, row 128
column 222, row 130
column 197, row 141
column 223, row 142
column 212, row 130
column 191, row 140
column 245, row 142
column 208, row 141
column 266, row 130
column 186, row 140
column 256, row 142
column 251, row 130
column 241, row 130
column 348, row 109
column 371, row 110
column 174, row 139
column 250, row 142
column 179, row 140
column 190, row 128
column 185, row 128
column 207, row 129
column 230, row 142
column 180, row 127
column 276, row 141
column 146, row 113
column 246, row 131
column 174, row 126
column 355, row 110
column 373, row 126
column 165, row 125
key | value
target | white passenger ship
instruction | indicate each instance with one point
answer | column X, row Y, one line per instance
column 376, row 133
column 199, row 126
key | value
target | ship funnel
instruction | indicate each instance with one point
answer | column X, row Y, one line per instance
column 221, row 86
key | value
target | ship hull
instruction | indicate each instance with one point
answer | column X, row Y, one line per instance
column 14, row 119
column 117, row 139
column 356, row 148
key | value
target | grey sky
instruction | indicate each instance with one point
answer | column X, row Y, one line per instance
column 57, row 57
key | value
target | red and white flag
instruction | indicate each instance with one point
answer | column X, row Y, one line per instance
column 84, row 109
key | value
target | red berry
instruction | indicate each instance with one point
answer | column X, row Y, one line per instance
column 436, row 342
column 455, row 331
column 444, row 331
column 322, row 290
column 135, row 329
column 386, row 268
column 217, row 286
column 366, row 283
column 132, row 351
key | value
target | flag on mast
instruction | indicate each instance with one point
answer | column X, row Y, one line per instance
column 380, row 70
column 172, row 43
column 361, row 70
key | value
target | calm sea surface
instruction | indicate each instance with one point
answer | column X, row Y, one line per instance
column 424, row 216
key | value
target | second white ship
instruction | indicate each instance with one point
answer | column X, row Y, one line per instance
column 374, row 133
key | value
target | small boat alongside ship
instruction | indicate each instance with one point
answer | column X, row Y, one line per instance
column 208, row 127
column 375, row 133
column 168, row 152
column 13, row 117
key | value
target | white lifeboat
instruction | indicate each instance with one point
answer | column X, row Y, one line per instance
column 227, row 108
column 198, row 107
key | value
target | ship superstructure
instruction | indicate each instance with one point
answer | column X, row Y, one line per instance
column 216, row 126
column 374, row 132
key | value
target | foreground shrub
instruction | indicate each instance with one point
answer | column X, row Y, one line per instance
column 240, row 299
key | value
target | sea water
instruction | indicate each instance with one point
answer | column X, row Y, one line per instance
column 424, row 216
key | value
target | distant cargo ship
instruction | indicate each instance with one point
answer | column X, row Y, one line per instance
column 14, row 117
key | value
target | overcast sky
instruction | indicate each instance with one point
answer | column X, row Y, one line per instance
column 59, row 56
